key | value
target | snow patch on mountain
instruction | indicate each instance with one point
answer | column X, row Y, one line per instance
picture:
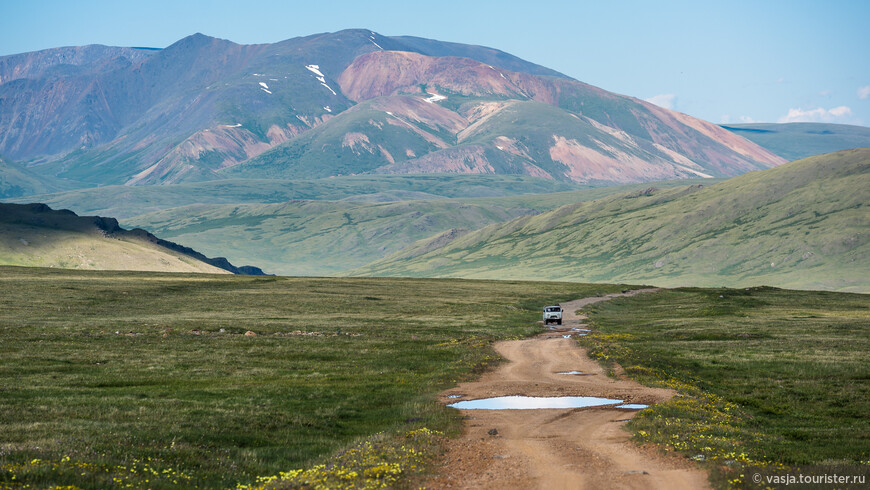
column 320, row 76
column 372, row 39
column 434, row 97
column 315, row 69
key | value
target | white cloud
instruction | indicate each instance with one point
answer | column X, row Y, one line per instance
column 668, row 101
column 726, row 119
column 864, row 92
column 816, row 115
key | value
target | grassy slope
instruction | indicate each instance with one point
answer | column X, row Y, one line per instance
column 794, row 141
column 86, row 371
column 532, row 125
column 30, row 246
column 328, row 238
column 322, row 152
column 800, row 225
column 316, row 237
column 16, row 180
column 35, row 237
column 124, row 202
column 778, row 376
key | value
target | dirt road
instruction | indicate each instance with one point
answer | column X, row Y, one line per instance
column 556, row 448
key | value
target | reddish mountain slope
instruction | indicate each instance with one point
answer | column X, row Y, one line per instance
column 503, row 122
column 206, row 108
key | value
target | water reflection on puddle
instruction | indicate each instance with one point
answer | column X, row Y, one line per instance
column 570, row 372
column 632, row 406
column 455, row 396
column 533, row 402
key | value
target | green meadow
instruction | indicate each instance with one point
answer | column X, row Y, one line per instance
column 148, row 380
column 802, row 225
column 769, row 379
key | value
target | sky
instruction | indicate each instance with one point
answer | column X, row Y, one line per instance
column 726, row 62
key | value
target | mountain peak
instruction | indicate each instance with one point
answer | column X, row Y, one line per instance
column 198, row 40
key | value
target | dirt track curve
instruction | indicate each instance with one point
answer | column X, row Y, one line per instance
column 582, row 448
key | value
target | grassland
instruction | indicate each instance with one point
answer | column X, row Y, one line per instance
column 306, row 238
column 121, row 202
column 769, row 379
column 801, row 225
column 16, row 180
column 320, row 237
column 148, row 380
column 36, row 236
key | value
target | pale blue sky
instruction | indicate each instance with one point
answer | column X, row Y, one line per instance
column 723, row 61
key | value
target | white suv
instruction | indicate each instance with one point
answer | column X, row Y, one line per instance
column 553, row 314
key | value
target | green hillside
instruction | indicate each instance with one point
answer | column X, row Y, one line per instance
column 126, row 201
column 801, row 225
column 37, row 236
column 146, row 380
column 304, row 238
column 794, row 141
column 319, row 237
column 17, row 180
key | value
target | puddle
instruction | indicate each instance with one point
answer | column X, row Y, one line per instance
column 533, row 402
column 455, row 396
column 580, row 330
column 570, row 372
column 566, row 336
column 633, row 406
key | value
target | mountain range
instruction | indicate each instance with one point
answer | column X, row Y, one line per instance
column 343, row 103
column 356, row 153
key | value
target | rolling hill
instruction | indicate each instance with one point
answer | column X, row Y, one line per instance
column 17, row 180
column 305, row 238
column 341, row 103
column 127, row 201
column 801, row 225
column 34, row 235
column 794, row 141
column 323, row 237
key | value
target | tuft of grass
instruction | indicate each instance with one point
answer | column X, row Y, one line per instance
column 769, row 380
column 377, row 462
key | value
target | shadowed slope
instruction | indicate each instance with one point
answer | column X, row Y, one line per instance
column 34, row 235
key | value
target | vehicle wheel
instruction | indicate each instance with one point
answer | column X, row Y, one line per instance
column 558, row 322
